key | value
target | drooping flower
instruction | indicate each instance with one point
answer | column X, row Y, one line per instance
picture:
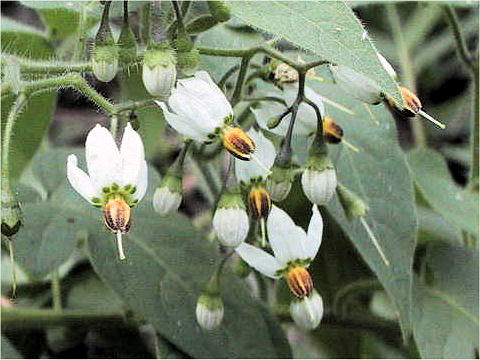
column 319, row 184
column 209, row 311
column 198, row 109
column 293, row 250
column 306, row 121
column 116, row 180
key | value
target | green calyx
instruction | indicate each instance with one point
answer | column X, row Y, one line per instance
column 351, row 203
column 281, row 174
column 159, row 54
column 127, row 45
column 105, row 53
column 320, row 162
column 201, row 24
column 211, row 302
column 231, row 198
column 115, row 191
column 188, row 61
column 173, row 182
column 183, row 44
column 305, row 263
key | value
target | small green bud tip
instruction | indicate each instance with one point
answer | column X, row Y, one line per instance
column 219, row 10
column 210, row 302
column 351, row 203
column 173, row 182
column 231, row 198
column 241, row 268
column 273, row 122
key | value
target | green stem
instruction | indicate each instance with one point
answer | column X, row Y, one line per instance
column 178, row 15
column 406, row 67
column 56, row 291
column 266, row 98
column 21, row 318
column 145, row 24
column 237, row 93
column 81, row 35
column 227, row 75
column 114, row 125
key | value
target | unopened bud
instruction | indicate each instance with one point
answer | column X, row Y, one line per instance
column 230, row 221
column 307, row 312
column 168, row 196
column 357, row 85
column 219, row 10
column 299, row 281
column 279, row 182
column 332, row 132
column 12, row 217
column 105, row 62
column 319, row 180
column 351, row 203
column 159, row 73
column 209, row 311
column 238, row 143
column 274, row 121
column 201, row 24
column 127, row 45
column 259, row 202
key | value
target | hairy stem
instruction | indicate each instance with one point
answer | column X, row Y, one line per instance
column 56, row 291
column 237, row 93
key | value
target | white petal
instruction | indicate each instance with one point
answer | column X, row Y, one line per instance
column 141, row 182
column 196, row 111
column 182, row 124
column 319, row 186
column 133, row 155
column 103, row 158
column 231, row 225
column 259, row 260
column 79, row 179
column 264, row 151
column 314, row 234
column 285, row 237
column 204, row 90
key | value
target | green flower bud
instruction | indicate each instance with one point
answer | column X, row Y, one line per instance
column 105, row 62
column 219, row 10
column 159, row 73
column 201, row 24
column 351, row 203
column 127, row 45
column 209, row 311
column 183, row 44
column 188, row 62
column 12, row 217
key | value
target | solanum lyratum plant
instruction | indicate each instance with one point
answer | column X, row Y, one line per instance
column 117, row 177
column 293, row 251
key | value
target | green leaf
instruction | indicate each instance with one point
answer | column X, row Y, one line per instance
column 8, row 351
column 168, row 264
column 458, row 206
column 29, row 129
column 446, row 311
column 224, row 36
column 24, row 40
column 432, row 227
column 327, row 28
column 379, row 174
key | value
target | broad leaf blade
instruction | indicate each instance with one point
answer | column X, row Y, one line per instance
column 457, row 206
column 327, row 28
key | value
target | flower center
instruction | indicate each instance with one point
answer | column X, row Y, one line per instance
column 115, row 191
column 299, row 281
column 237, row 142
column 117, row 215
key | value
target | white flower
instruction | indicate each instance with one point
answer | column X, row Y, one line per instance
column 308, row 311
column 306, row 121
column 209, row 311
column 319, row 186
column 292, row 247
column 107, row 165
column 197, row 107
column 165, row 201
column 117, row 178
column 231, row 225
column 356, row 85
column 264, row 152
